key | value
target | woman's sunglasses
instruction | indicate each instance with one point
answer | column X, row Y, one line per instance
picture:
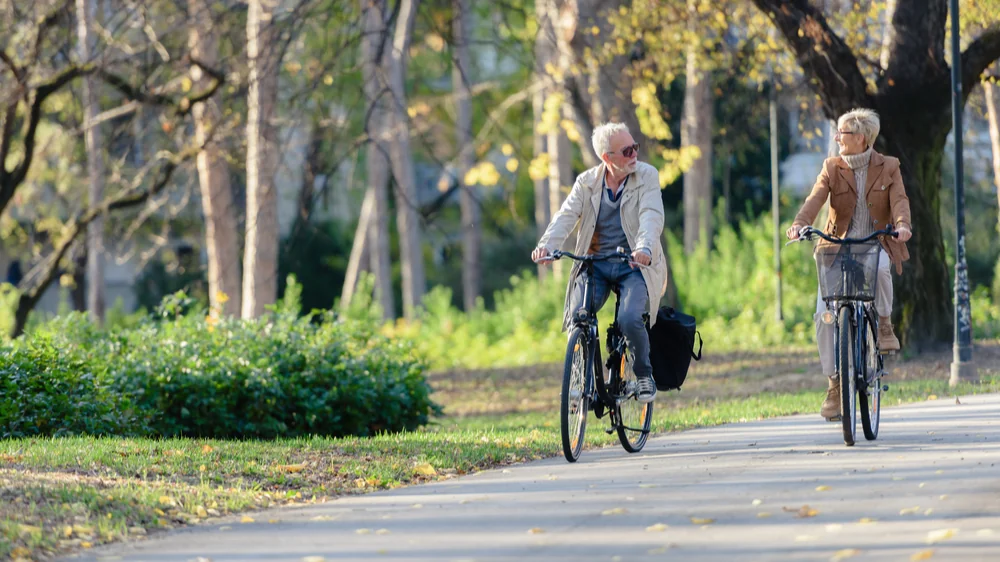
column 629, row 151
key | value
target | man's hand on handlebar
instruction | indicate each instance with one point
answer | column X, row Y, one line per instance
column 641, row 258
column 542, row 256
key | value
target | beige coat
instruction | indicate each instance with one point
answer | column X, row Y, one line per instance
column 884, row 193
column 642, row 219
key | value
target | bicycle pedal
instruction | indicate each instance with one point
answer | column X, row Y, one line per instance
column 833, row 419
column 609, row 430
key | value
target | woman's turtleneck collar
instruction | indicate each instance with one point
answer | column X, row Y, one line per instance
column 856, row 161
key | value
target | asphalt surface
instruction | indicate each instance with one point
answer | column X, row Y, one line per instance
column 780, row 489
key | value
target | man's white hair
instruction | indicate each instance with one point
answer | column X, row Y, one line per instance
column 601, row 138
column 864, row 121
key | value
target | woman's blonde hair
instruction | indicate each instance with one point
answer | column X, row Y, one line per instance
column 864, row 121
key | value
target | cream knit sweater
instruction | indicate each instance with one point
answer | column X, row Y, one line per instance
column 861, row 222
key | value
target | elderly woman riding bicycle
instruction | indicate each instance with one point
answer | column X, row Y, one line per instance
column 866, row 194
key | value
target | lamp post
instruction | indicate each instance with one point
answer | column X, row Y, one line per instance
column 962, row 368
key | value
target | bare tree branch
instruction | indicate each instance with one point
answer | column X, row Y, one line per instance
column 821, row 53
column 129, row 198
column 978, row 56
column 182, row 106
column 10, row 181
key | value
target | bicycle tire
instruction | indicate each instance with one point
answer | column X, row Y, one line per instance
column 870, row 397
column 848, row 386
column 574, row 403
column 631, row 413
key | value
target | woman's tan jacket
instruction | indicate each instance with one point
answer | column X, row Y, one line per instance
column 884, row 194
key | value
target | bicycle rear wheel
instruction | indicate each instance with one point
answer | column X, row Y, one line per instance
column 846, row 368
column 575, row 402
column 634, row 417
column 870, row 397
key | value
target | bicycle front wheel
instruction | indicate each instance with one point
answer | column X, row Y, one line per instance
column 575, row 402
column 846, row 368
column 634, row 417
column 870, row 397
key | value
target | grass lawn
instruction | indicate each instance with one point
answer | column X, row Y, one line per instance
column 64, row 494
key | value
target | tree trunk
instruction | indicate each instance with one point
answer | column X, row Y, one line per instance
column 260, row 261
column 86, row 13
column 916, row 83
column 407, row 203
column 221, row 236
column 375, row 45
column 542, row 213
column 359, row 260
column 468, row 199
column 696, row 130
column 992, row 92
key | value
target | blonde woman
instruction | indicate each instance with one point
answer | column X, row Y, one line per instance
column 866, row 193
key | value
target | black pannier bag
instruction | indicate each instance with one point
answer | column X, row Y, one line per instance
column 671, row 347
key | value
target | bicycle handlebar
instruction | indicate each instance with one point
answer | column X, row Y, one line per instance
column 608, row 257
column 806, row 233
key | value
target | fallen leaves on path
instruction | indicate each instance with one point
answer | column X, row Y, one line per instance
column 535, row 531
column 702, row 521
column 940, row 535
column 615, row 511
column 657, row 527
column 804, row 511
column 910, row 510
column 844, row 554
column 922, row 555
column 247, row 519
column 823, row 488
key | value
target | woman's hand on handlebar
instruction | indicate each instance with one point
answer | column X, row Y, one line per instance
column 903, row 233
column 794, row 232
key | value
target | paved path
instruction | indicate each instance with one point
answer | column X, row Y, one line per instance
column 933, row 473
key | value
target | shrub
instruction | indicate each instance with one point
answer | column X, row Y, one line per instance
column 186, row 374
column 48, row 390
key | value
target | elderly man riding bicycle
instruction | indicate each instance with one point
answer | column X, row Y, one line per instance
column 866, row 194
column 617, row 204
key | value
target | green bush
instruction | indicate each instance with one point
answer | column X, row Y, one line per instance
column 46, row 389
column 185, row 374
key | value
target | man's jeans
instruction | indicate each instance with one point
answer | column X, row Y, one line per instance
column 634, row 303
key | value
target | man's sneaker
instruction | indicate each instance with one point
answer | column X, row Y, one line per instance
column 645, row 389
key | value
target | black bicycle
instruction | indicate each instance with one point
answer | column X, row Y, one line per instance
column 585, row 386
column 848, row 278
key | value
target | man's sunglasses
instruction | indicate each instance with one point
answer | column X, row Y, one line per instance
column 629, row 151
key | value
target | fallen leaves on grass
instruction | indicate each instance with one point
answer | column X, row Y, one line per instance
column 424, row 469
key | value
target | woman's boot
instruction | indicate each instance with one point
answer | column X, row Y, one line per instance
column 831, row 406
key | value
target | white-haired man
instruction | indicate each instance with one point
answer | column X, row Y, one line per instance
column 616, row 204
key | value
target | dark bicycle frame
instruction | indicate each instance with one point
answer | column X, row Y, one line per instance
column 585, row 318
column 860, row 312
